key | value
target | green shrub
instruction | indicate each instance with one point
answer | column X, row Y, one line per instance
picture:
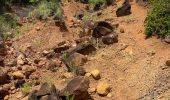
column 7, row 22
column 46, row 9
column 95, row 2
column 158, row 18
column 27, row 87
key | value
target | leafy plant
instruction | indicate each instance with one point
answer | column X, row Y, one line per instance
column 46, row 9
column 96, row 2
column 26, row 88
column 158, row 18
column 7, row 22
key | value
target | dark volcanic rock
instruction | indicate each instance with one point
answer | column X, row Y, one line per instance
column 102, row 28
column 45, row 92
column 3, row 77
column 84, row 49
column 78, row 87
column 110, row 2
column 74, row 61
column 110, row 38
column 124, row 10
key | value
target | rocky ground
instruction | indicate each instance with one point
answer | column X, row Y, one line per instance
column 106, row 60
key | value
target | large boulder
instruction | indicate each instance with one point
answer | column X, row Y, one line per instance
column 75, row 60
column 85, row 49
column 45, row 92
column 110, row 38
column 124, row 10
column 102, row 28
column 78, row 87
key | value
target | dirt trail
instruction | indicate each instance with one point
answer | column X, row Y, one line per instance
column 134, row 67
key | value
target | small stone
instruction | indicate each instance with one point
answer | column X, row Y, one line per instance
column 37, row 28
column 92, row 90
column 21, row 59
column 28, row 68
column 12, row 88
column 122, row 30
column 167, row 39
column 6, row 97
column 19, row 95
column 6, row 87
column 96, row 74
column 168, row 62
column 151, row 53
column 80, row 71
column 109, row 95
column 68, row 75
column 103, row 88
column 18, row 75
column 88, row 74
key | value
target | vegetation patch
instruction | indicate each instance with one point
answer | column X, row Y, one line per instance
column 158, row 19
column 46, row 9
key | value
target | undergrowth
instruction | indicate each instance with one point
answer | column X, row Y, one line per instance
column 158, row 19
column 46, row 9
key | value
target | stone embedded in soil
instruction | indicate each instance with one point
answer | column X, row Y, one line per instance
column 68, row 75
column 92, row 90
column 78, row 87
column 122, row 30
column 21, row 59
column 167, row 39
column 75, row 60
column 124, row 10
column 88, row 74
column 44, row 91
column 95, row 74
column 80, row 71
column 110, row 2
column 60, row 49
column 3, row 76
column 103, row 88
column 168, row 62
column 109, row 95
column 18, row 75
column 110, row 39
column 1, row 62
column 84, row 49
column 19, row 82
column 102, row 28
column 53, row 65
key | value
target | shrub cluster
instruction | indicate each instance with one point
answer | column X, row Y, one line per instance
column 46, row 9
column 158, row 18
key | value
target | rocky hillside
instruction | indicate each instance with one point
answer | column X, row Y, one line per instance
column 90, row 52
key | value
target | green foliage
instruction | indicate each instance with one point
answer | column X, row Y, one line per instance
column 158, row 18
column 26, row 88
column 7, row 22
column 46, row 9
column 70, row 98
column 95, row 2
